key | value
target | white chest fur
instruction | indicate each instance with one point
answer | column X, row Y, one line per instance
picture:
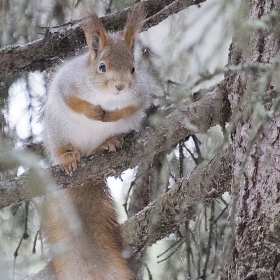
column 87, row 134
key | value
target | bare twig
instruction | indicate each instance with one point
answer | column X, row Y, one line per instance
column 172, row 209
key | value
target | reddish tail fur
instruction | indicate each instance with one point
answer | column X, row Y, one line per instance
column 91, row 248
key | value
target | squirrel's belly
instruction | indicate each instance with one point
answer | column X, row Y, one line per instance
column 87, row 134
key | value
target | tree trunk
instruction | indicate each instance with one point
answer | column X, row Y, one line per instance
column 256, row 148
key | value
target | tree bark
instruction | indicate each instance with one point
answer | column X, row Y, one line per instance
column 256, row 146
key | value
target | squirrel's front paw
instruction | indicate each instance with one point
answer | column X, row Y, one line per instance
column 68, row 161
column 95, row 113
column 111, row 144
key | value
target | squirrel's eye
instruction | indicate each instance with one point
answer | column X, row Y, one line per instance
column 132, row 70
column 102, row 67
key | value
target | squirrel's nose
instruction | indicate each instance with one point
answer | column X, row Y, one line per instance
column 120, row 86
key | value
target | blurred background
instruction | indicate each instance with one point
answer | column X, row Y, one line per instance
column 178, row 54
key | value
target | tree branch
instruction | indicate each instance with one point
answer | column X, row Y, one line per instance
column 45, row 52
column 196, row 117
column 163, row 216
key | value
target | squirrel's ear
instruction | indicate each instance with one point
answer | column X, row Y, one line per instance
column 95, row 34
column 134, row 23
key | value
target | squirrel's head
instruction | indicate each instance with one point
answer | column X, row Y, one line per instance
column 111, row 59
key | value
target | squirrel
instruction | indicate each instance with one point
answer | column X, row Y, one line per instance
column 93, row 100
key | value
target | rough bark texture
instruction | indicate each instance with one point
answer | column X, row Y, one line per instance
column 256, row 149
column 46, row 52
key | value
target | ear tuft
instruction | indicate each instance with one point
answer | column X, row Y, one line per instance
column 134, row 23
column 95, row 33
column 95, row 42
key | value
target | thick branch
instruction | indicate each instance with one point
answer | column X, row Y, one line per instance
column 197, row 117
column 44, row 53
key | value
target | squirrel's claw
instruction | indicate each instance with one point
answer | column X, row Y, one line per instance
column 111, row 144
column 68, row 161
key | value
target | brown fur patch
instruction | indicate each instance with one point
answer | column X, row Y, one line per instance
column 81, row 106
column 113, row 116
